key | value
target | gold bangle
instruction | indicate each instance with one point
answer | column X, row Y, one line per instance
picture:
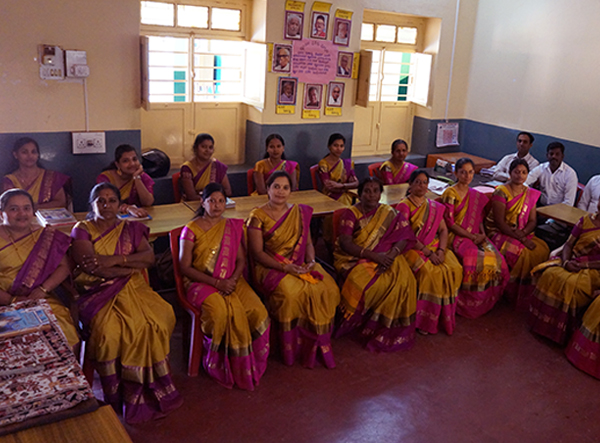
column 124, row 259
column 12, row 300
column 361, row 252
column 44, row 290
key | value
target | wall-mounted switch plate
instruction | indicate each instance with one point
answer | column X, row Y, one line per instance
column 89, row 143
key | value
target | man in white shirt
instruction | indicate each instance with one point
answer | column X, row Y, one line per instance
column 589, row 199
column 558, row 183
column 556, row 179
column 524, row 142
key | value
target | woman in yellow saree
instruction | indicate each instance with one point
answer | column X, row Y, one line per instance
column 510, row 225
column 32, row 262
column 396, row 170
column 274, row 160
column 234, row 321
column 127, row 174
column 47, row 188
column 129, row 325
column 485, row 274
column 438, row 272
column 379, row 291
column 337, row 174
column 203, row 169
column 299, row 294
column 568, row 283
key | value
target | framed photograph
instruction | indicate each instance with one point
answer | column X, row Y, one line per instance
column 282, row 58
column 319, row 22
column 335, row 94
column 312, row 96
column 344, row 64
column 341, row 31
column 294, row 23
column 286, row 91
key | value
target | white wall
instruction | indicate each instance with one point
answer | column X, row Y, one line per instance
column 108, row 30
column 536, row 66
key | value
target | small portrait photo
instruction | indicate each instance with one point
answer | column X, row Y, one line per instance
column 294, row 22
column 344, row 64
column 282, row 58
column 319, row 23
column 335, row 94
column 312, row 96
column 341, row 32
column 286, row 92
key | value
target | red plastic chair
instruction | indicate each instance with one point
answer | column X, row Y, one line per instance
column 250, row 180
column 374, row 170
column 193, row 328
column 313, row 176
column 176, row 190
column 580, row 188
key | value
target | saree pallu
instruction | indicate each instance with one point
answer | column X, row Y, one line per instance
column 560, row 295
column 520, row 260
column 43, row 189
column 236, row 327
column 213, row 172
column 129, row 193
column 584, row 348
column 303, row 306
column 437, row 284
column 130, row 327
column 264, row 167
column 28, row 262
column 384, row 303
column 391, row 175
column 485, row 273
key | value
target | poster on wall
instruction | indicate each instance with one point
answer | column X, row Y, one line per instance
column 314, row 61
column 319, row 20
column 447, row 134
column 286, row 91
column 335, row 94
column 312, row 100
column 344, row 64
column 341, row 32
column 282, row 58
column 294, row 22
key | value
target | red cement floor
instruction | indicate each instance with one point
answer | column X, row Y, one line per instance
column 492, row 381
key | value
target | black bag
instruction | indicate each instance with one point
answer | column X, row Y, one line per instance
column 156, row 163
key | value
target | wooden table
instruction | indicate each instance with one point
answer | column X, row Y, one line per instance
column 321, row 204
column 100, row 426
column 563, row 213
column 453, row 157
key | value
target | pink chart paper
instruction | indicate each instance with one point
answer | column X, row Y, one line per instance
column 314, row 61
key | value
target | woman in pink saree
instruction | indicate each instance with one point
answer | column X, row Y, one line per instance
column 47, row 188
column 203, row 169
column 33, row 263
column 274, row 160
column 436, row 269
column 510, row 225
column 485, row 274
column 129, row 325
column 396, row 170
column 300, row 296
column 235, row 323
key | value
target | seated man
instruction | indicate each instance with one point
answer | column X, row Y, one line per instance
column 591, row 195
column 558, row 183
column 524, row 142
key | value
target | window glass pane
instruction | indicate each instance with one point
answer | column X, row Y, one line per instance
column 192, row 16
column 393, row 57
column 367, row 31
column 404, row 80
column 407, row 35
column 227, row 19
column 167, row 59
column 404, row 69
column 168, row 44
column 385, row 33
column 217, row 46
column 406, row 57
column 155, row 13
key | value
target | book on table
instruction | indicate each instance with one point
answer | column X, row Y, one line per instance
column 229, row 203
column 55, row 217
column 133, row 217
